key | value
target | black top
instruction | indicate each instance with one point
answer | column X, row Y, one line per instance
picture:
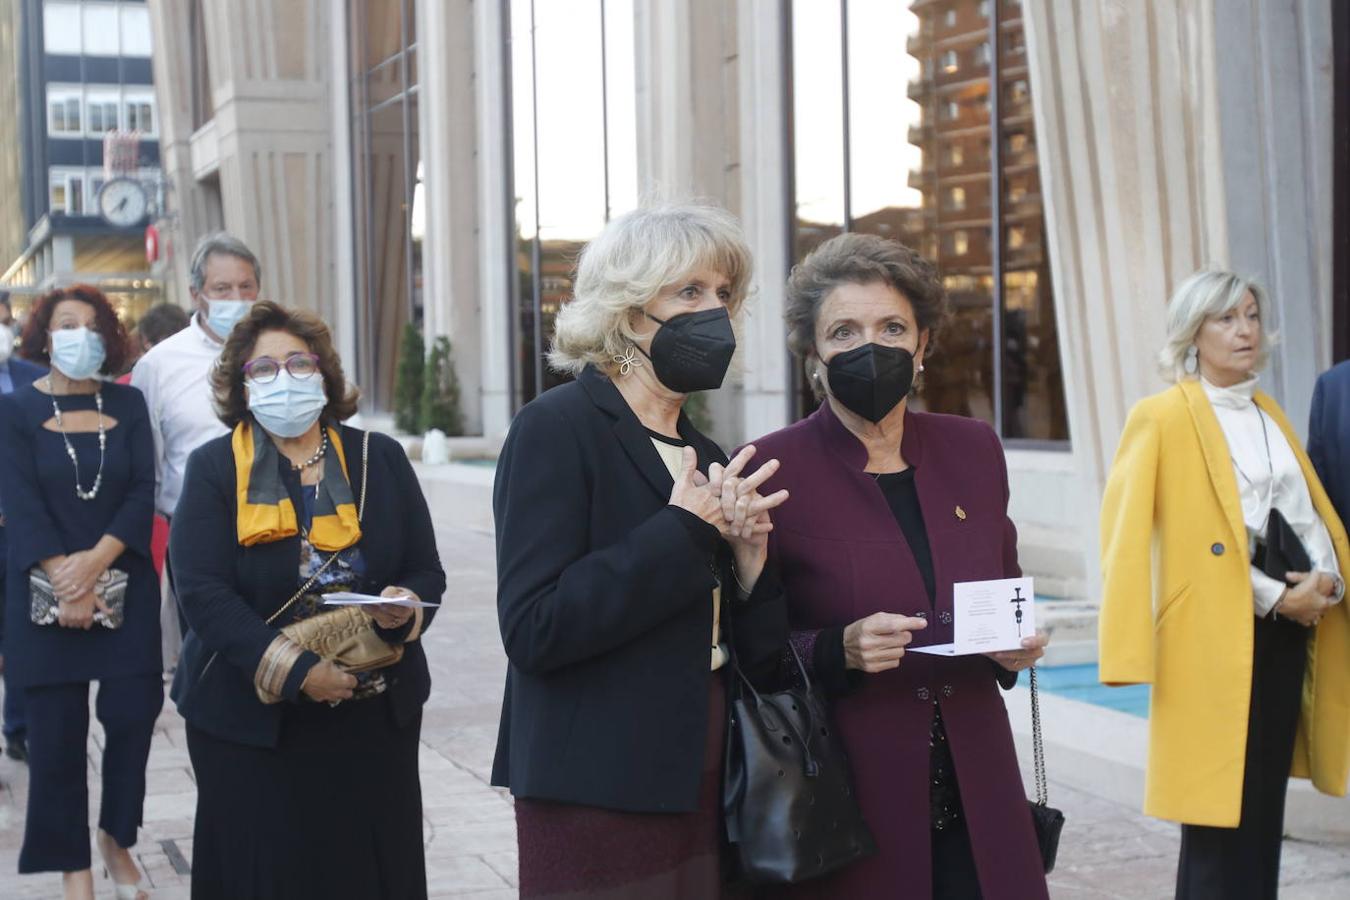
column 604, row 598
column 904, row 502
column 227, row 591
column 46, row 518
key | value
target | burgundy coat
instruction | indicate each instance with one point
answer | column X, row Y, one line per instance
column 842, row 557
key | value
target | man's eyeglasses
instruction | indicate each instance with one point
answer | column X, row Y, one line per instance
column 264, row 369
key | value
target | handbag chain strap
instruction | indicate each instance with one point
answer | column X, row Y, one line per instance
column 1037, row 744
column 360, row 513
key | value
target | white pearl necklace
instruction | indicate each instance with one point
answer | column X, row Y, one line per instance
column 70, row 448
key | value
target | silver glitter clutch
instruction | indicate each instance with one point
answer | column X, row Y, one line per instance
column 111, row 587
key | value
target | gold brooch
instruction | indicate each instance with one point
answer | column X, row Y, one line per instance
column 961, row 514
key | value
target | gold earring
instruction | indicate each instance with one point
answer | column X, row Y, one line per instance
column 628, row 360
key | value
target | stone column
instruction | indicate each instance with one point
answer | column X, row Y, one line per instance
column 449, row 139
column 1171, row 136
column 496, row 217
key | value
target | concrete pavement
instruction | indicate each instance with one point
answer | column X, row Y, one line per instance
column 1109, row 850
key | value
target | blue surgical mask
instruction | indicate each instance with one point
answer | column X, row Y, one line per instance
column 223, row 315
column 78, row 353
column 287, row 406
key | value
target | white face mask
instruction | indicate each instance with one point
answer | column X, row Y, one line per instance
column 6, row 343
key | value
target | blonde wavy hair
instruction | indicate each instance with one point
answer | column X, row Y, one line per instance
column 1205, row 294
column 626, row 266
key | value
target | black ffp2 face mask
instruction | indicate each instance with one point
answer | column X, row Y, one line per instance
column 692, row 351
column 872, row 379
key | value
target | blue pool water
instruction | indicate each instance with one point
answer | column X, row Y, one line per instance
column 1080, row 683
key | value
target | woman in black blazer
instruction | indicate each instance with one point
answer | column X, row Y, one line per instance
column 626, row 547
column 316, row 795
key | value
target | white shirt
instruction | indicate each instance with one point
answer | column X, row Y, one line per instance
column 175, row 378
column 1242, row 422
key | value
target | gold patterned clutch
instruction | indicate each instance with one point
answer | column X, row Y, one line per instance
column 111, row 588
column 345, row 636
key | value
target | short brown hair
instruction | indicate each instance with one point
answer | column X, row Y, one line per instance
column 861, row 259
column 109, row 327
column 227, row 378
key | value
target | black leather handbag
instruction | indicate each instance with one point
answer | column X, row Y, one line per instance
column 788, row 799
column 1049, row 821
column 1279, row 551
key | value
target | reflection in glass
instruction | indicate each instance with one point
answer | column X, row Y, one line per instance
column 574, row 143
column 912, row 161
column 386, row 153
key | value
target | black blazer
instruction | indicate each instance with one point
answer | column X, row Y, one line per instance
column 603, row 596
column 227, row 591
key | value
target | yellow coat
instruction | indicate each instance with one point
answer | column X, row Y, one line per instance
column 1177, row 611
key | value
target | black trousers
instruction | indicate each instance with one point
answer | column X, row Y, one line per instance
column 1243, row 863
column 56, row 834
column 954, row 875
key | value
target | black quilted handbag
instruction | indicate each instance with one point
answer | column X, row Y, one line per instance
column 788, row 799
column 1048, row 820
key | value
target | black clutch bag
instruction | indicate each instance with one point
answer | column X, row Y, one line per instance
column 788, row 799
column 1048, row 821
column 1279, row 551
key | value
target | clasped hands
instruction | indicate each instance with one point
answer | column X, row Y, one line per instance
column 1307, row 598
column 328, row 682
column 733, row 505
column 73, row 578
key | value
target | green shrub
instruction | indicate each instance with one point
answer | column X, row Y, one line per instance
column 440, row 394
column 408, row 380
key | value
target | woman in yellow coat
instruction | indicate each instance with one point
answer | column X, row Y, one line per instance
column 1250, row 676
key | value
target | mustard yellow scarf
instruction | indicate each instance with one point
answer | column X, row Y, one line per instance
column 266, row 513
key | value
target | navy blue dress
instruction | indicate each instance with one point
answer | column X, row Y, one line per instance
column 37, row 487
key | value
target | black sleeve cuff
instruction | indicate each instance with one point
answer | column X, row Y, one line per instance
column 706, row 537
column 830, row 663
column 767, row 587
column 299, row 672
column 1006, row 679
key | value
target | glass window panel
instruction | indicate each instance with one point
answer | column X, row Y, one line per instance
column 818, row 115
column 958, row 376
column 1032, row 377
column 381, row 30
column 574, row 143
column 75, row 195
column 57, row 197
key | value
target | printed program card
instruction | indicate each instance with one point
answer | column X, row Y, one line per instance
column 988, row 616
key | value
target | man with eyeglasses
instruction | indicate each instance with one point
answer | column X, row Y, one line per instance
column 175, row 377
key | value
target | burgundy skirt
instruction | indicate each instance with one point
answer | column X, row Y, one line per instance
column 569, row 851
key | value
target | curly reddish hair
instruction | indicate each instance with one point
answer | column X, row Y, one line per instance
column 34, row 342
column 227, row 377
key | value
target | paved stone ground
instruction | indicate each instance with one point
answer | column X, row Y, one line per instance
column 1108, row 851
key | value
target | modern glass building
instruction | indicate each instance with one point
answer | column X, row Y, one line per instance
column 1065, row 163
column 82, row 85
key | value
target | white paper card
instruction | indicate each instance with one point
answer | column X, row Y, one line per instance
column 346, row 598
column 988, row 616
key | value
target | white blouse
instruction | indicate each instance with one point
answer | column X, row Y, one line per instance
column 1249, row 433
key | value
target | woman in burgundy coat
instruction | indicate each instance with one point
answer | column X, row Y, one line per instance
column 889, row 509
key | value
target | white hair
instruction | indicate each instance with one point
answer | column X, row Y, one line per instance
column 626, row 266
column 1203, row 295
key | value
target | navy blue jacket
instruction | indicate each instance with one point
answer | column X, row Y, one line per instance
column 1329, row 435
column 23, row 373
column 604, row 602
column 228, row 591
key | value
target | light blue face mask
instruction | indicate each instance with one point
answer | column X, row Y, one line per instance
column 78, row 353
column 287, row 406
column 223, row 315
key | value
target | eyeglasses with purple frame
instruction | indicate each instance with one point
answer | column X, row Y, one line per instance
column 265, row 369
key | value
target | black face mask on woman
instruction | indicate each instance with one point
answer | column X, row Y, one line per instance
column 692, row 351
column 872, row 379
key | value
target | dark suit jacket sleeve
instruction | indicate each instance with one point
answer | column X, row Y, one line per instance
column 420, row 571
column 134, row 520
column 203, row 545
column 32, row 532
column 560, row 600
column 1324, row 439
